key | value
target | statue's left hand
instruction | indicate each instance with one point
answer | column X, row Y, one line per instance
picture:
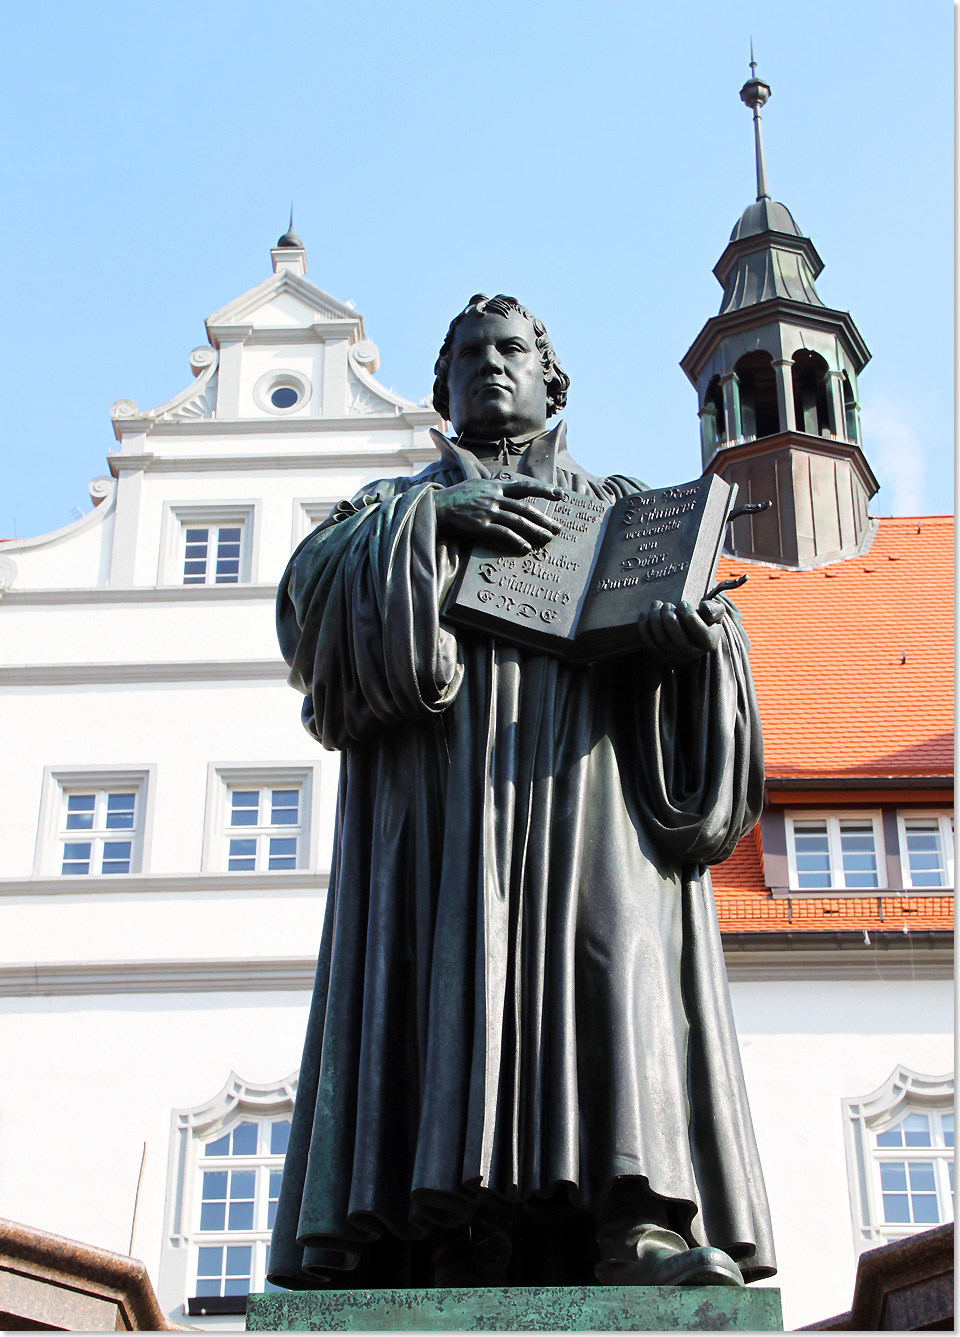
column 679, row 633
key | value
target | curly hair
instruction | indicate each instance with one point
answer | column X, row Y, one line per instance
column 555, row 378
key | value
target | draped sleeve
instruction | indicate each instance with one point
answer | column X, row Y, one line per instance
column 700, row 751
column 358, row 614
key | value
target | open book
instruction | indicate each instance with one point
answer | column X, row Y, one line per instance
column 580, row 595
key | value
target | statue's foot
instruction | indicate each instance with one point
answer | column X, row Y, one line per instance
column 657, row 1257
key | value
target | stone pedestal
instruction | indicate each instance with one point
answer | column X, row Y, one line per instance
column 61, row 1285
column 521, row 1309
column 902, row 1287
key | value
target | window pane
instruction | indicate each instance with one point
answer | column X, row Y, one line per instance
column 813, row 854
column 242, row 1189
column 211, row 1287
column 925, row 1209
column 245, row 1140
column 236, row 1286
column 916, row 1130
column 245, row 807
column 924, row 852
column 211, row 1262
column 893, row 1137
column 116, row 856
column 280, row 1136
column 214, row 1184
column 275, row 1177
column 120, row 811
column 241, row 1215
column 238, row 1261
column 243, row 856
column 195, row 557
column 285, row 807
column 893, row 1182
column 212, row 1215
column 948, row 1130
column 228, row 556
column 859, row 854
column 283, row 852
column 80, row 811
column 242, row 1184
column 921, row 1177
column 219, row 1148
column 76, row 858
column 896, row 1209
column 893, row 1176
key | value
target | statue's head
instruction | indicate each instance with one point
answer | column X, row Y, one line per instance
column 497, row 374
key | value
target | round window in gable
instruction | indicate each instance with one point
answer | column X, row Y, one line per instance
column 284, row 397
column 282, row 392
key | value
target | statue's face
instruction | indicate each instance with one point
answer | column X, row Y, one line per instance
column 495, row 381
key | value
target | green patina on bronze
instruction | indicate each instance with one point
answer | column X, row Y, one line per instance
column 521, row 1309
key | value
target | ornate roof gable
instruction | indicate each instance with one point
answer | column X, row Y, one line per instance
column 285, row 300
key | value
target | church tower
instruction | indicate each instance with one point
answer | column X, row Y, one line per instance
column 776, row 378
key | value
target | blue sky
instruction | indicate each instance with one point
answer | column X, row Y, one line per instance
column 589, row 158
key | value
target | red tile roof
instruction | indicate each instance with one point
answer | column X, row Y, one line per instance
column 853, row 664
column 853, row 661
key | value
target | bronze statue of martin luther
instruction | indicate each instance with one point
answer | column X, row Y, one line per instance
column 520, row 1064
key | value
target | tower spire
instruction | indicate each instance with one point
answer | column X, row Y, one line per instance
column 755, row 93
column 290, row 238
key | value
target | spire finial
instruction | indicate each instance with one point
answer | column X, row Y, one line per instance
column 290, row 238
column 755, row 93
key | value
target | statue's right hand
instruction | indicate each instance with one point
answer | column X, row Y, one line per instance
column 490, row 511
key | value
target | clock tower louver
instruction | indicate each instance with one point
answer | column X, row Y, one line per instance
column 776, row 378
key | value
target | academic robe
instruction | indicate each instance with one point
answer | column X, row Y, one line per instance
column 520, row 985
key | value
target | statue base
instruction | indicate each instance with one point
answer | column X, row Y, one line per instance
column 520, row 1309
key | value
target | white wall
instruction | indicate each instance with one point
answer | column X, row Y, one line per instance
column 805, row 1046
column 86, row 1081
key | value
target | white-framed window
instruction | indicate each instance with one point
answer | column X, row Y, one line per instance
column 264, row 828
column 835, row 851
column 259, row 819
column 900, row 1142
column 99, row 830
column 93, row 823
column 914, row 1160
column 211, row 552
column 208, row 544
column 226, row 1164
column 237, row 1188
column 926, row 848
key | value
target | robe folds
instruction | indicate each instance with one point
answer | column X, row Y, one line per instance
column 520, row 985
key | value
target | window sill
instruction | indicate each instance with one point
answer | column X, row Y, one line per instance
column 55, row 884
column 199, row 1305
column 857, row 893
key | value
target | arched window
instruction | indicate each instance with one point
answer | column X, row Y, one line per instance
column 714, row 397
column 759, row 415
column 849, row 410
column 225, row 1168
column 900, row 1157
column 810, row 392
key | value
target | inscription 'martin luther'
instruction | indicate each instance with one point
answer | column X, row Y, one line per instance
column 579, row 597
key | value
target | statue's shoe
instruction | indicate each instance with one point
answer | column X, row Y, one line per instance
column 659, row 1265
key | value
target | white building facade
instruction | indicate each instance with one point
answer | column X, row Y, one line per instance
column 167, row 829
